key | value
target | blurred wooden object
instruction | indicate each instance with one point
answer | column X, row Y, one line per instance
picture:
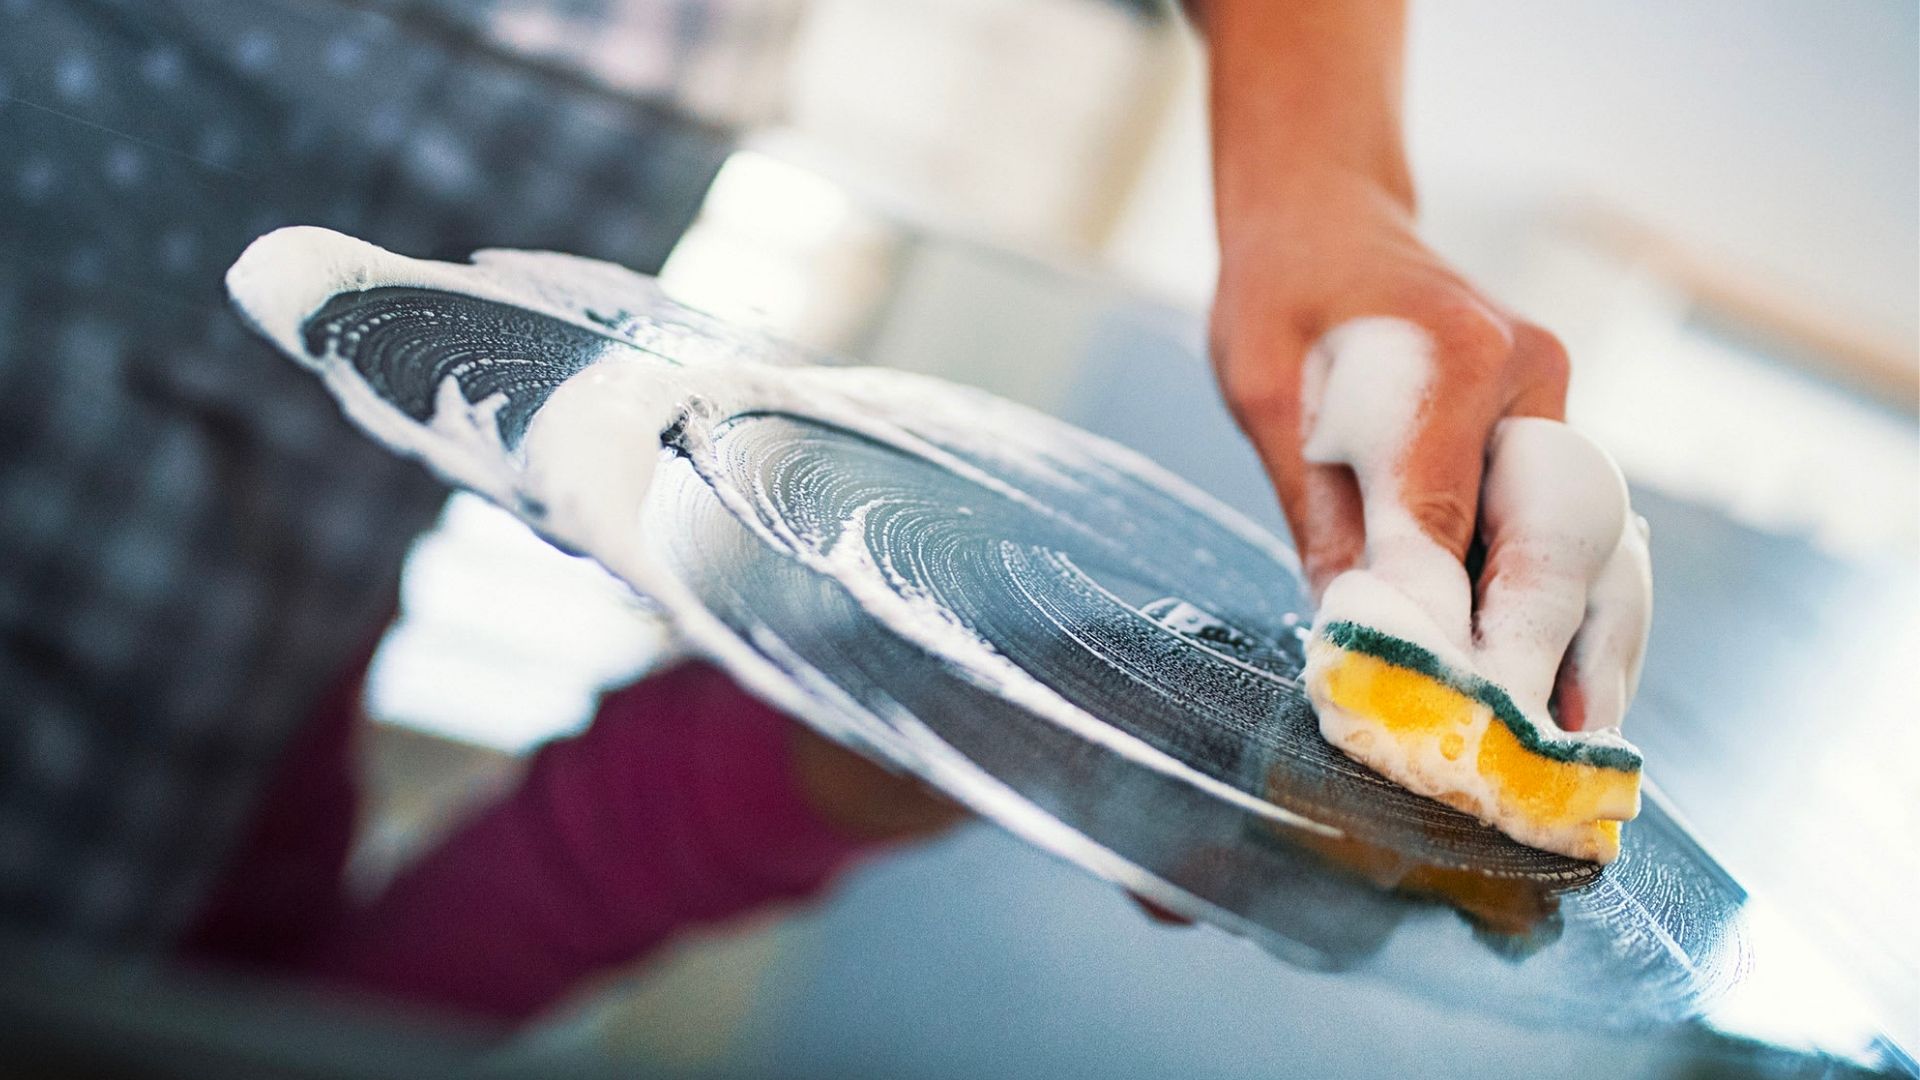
column 1800, row 331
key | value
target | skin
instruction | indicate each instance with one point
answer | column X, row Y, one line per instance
column 1315, row 206
column 1315, row 210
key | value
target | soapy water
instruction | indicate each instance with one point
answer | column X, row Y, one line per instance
column 1201, row 663
column 1047, row 627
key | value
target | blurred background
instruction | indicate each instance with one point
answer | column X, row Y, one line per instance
column 1714, row 203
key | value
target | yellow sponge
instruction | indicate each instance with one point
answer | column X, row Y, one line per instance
column 1459, row 738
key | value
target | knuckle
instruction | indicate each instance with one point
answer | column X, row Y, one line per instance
column 1257, row 393
column 1547, row 358
column 1467, row 336
column 1445, row 516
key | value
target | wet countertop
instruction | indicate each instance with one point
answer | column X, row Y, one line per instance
column 1777, row 680
column 1763, row 699
column 1774, row 675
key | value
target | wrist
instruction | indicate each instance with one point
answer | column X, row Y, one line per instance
column 1378, row 182
column 1310, row 210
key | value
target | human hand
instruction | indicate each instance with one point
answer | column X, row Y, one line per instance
column 1388, row 399
column 1322, row 249
column 1325, row 286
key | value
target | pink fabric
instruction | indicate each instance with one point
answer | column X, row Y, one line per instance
column 676, row 808
column 284, row 879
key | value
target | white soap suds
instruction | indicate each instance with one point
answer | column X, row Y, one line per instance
column 1364, row 387
column 1553, row 514
column 584, row 470
column 1567, row 567
column 1612, row 643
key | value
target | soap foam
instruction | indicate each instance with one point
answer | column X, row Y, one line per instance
column 583, row 470
column 1567, row 551
column 1359, row 412
column 1567, row 577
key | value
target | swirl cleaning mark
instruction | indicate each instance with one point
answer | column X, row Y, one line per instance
column 1055, row 631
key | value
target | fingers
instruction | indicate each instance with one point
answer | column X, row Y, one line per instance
column 1386, row 401
column 1541, row 370
column 1415, row 415
column 1485, row 368
column 1393, row 442
column 1553, row 510
column 1551, row 625
column 1601, row 672
column 1379, row 446
column 1334, row 523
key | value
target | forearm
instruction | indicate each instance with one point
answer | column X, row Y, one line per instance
column 1300, row 88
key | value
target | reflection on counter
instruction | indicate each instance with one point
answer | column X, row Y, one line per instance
column 195, row 552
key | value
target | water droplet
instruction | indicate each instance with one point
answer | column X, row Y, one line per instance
column 74, row 78
column 178, row 248
column 86, row 266
column 217, row 146
column 125, row 165
column 345, row 55
column 386, row 125
column 36, row 178
column 162, row 66
column 254, row 51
